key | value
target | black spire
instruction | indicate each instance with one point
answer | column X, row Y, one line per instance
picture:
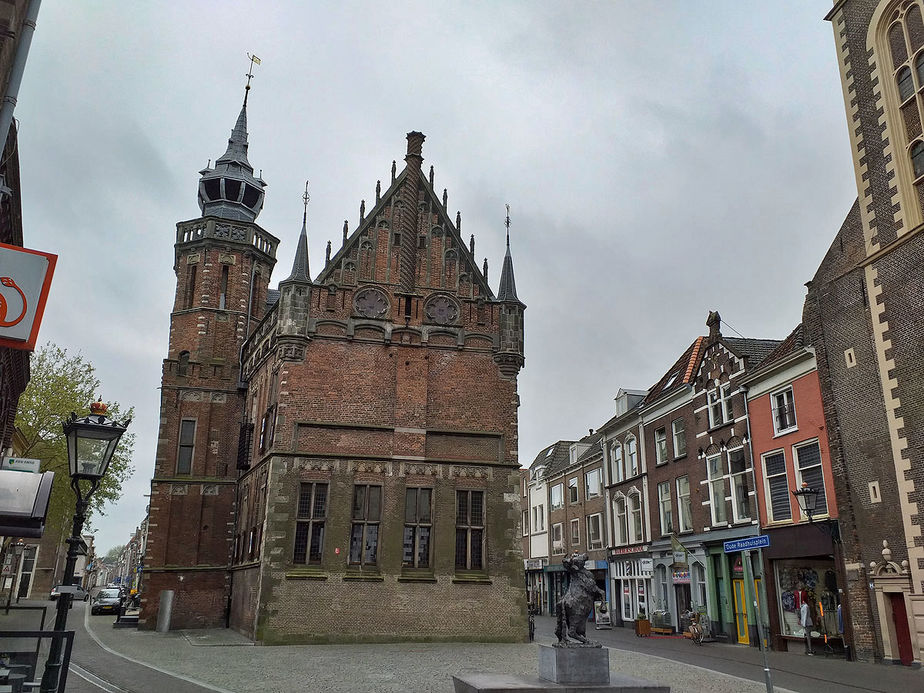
column 507, row 291
column 300, row 264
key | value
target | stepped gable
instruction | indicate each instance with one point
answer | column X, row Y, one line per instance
column 427, row 202
column 680, row 374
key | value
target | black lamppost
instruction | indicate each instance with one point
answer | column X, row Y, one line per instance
column 808, row 504
column 91, row 442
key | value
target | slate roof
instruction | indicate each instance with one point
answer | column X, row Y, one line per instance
column 594, row 449
column 554, row 456
column 793, row 343
column 678, row 375
column 753, row 351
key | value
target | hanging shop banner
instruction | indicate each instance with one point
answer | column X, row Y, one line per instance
column 25, row 277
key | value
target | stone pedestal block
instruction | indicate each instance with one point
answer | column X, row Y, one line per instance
column 479, row 682
column 571, row 665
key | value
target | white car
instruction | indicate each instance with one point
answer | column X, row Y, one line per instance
column 79, row 593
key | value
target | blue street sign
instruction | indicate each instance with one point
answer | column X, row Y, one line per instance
column 761, row 541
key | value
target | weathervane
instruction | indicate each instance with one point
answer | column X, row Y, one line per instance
column 305, row 198
column 507, row 224
column 253, row 60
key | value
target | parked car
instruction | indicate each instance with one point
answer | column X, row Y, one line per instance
column 106, row 601
column 80, row 594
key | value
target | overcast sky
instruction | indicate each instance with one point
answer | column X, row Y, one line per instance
column 661, row 159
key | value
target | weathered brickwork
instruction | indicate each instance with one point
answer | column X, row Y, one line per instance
column 863, row 316
column 388, row 383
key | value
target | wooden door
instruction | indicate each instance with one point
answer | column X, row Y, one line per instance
column 741, row 612
column 900, row 620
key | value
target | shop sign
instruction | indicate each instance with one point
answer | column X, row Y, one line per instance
column 25, row 277
column 626, row 550
column 21, row 464
column 534, row 563
column 646, row 565
column 681, row 577
column 762, row 541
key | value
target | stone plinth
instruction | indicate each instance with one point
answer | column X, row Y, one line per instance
column 574, row 665
column 480, row 682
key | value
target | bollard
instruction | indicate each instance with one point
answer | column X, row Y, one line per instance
column 164, row 611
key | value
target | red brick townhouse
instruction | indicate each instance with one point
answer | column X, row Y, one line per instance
column 789, row 441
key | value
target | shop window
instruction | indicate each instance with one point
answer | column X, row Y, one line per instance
column 470, row 530
column 364, row 534
column 808, row 473
column 815, row 583
column 417, row 527
column 780, row 508
column 699, row 585
column 680, row 439
column 663, row 587
column 684, row 506
column 309, row 523
column 717, row 489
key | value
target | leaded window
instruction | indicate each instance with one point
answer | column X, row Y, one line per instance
column 470, row 530
column 418, row 526
column 364, row 535
column 310, row 515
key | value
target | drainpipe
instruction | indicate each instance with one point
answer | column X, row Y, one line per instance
column 17, row 69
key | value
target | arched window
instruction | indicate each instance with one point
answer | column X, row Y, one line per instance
column 631, row 457
column 617, row 467
column 635, row 518
column 905, row 84
column 919, row 68
column 621, row 520
column 917, row 158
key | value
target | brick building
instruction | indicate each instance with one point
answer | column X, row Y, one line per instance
column 626, row 503
column 789, row 443
column 338, row 457
column 577, row 510
column 863, row 317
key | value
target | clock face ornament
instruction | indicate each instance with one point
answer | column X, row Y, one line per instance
column 442, row 310
column 371, row 304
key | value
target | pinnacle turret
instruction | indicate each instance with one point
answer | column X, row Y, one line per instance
column 507, row 291
column 300, row 271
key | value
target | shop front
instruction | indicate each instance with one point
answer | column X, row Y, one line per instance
column 557, row 581
column 537, row 594
column 631, row 585
column 802, row 570
column 679, row 586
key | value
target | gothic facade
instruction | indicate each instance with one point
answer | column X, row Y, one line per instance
column 338, row 456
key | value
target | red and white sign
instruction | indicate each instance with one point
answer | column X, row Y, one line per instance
column 25, row 277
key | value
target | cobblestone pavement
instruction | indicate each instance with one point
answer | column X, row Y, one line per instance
column 228, row 662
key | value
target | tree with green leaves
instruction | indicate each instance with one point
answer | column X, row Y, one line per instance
column 113, row 554
column 61, row 383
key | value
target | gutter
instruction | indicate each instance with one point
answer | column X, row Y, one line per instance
column 17, row 69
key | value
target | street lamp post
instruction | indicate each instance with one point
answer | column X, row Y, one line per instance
column 91, row 442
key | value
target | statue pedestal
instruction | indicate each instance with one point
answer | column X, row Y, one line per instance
column 574, row 665
column 570, row 670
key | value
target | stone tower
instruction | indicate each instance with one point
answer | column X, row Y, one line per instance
column 223, row 265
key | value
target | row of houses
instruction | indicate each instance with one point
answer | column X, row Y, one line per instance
column 710, row 453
